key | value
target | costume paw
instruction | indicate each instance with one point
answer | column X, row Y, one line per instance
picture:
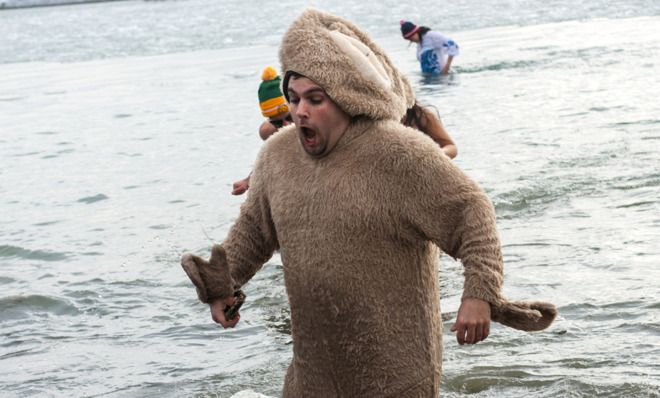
column 530, row 316
column 212, row 278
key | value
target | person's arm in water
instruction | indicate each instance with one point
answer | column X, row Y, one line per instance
column 432, row 126
column 443, row 44
column 445, row 70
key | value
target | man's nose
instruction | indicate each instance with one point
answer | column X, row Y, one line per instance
column 301, row 109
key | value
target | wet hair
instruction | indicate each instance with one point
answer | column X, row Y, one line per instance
column 422, row 31
column 416, row 116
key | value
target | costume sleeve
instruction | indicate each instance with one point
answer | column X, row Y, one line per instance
column 443, row 205
column 252, row 239
column 440, row 41
column 451, row 210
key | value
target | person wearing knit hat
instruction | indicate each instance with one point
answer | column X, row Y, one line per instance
column 360, row 207
column 435, row 51
column 272, row 103
column 274, row 107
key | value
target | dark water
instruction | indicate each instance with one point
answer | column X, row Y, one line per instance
column 123, row 125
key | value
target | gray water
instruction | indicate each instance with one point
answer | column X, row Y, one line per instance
column 123, row 125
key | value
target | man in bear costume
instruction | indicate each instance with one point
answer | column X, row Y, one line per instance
column 359, row 205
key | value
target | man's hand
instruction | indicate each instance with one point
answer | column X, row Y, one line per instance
column 472, row 322
column 218, row 307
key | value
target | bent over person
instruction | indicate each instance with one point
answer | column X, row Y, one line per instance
column 359, row 205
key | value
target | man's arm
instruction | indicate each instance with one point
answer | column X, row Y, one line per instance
column 450, row 209
column 453, row 212
column 250, row 243
column 252, row 239
column 476, row 244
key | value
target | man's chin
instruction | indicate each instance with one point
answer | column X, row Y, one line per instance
column 313, row 150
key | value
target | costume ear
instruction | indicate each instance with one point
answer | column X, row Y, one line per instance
column 364, row 59
column 338, row 56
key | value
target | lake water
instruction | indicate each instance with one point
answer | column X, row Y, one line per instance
column 123, row 125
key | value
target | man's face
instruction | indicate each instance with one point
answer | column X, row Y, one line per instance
column 319, row 121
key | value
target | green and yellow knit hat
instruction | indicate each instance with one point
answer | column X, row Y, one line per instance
column 271, row 100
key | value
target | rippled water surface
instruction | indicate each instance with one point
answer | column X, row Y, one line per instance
column 123, row 125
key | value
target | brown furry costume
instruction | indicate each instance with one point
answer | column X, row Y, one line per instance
column 359, row 231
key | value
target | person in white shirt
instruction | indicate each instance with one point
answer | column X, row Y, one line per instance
column 435, row 51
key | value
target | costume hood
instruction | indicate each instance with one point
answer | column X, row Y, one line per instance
column 347, row 64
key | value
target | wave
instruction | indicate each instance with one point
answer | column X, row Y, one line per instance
column 500, row 66
column 249, row 394
column 482, row 382
column 17, row 307
column 44, row 255
column 44, row 3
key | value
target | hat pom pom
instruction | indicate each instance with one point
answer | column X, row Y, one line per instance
column 402, row 22
column 269, row 73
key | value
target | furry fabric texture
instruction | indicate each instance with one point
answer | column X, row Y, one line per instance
column 356, row 73
column 524, row 315
column 211, row 278
column 359, row 231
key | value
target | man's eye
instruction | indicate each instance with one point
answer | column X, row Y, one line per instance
column 316, row 100
column 294, row 100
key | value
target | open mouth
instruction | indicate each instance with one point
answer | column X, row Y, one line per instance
column 309, row 135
